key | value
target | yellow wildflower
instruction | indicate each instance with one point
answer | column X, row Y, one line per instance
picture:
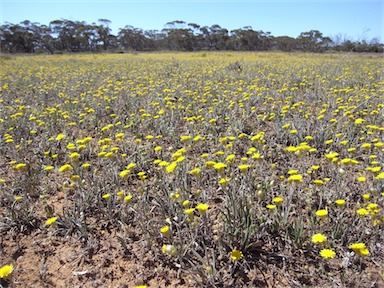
column 318, row 182
column 224, row 181
column 362, row 212
column 210, row 164
column 130, row 166
column 297, row 178
column 278, row 200
column 322, row 213
column 127, row 199
column 236, row 255
column 319, row 238
column 220, row 166
column 327, row 253
column 66, row 168
column 360, row 249
column 361, row 179
column 243, row 168
column 165, row 231
column 195, row 172
column 202, row 208
column 142, row 175
column 340, row 202
column 123, row 174
column 86, row 165
column 189, row 212
column 74, row 156
column 20, row 166
column 6, row 271
column 51, row 221
column 185, row 203
column 17, row 198
column 48, row 168
column 60, row 137
column 171, row 167
column 230, row 158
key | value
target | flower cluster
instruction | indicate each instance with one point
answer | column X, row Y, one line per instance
column 201, row 160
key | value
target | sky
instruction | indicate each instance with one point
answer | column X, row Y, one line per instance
column 356, row 20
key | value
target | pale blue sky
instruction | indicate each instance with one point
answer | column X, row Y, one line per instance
column 358, row 20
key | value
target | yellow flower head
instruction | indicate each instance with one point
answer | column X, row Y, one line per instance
column 66, row 168
column 130, row 166
column 332, row 155
column 230, row 158
column 120, row 194
column 357, row 246
column 271, row 207
column 363, row 252
column 362, row 212
column 127, row 199
column 189, row 212
column 210, row 164
column 296, row 178
column 185, row 138
column 361, row 179
column 220, row 166
column 202, row 208
column 17, row 198
column 123, row 174
column 6, row 271
column 327, row 253
column 278, row 200
column 171, row 167
column 180, row 159
column 60, row 137
column 292, row 172
column 86, row 165
column 195, row 172
column 51, row 221
column 74, row 155
column 236, row 255
column 185, row 203
column 142, row 175
column 319, row 238
column 48, row 168
column 204, row 155
column 318, row 182
column 165, row 231
column 224, row 181
column 243, row 168
column 286, row 126
column 360, row 249
column 322, row 213
column 373, row 208
column 20, row 166
column 340, row 202
column 380, row 176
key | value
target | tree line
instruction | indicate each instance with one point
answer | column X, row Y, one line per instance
column 77, row 36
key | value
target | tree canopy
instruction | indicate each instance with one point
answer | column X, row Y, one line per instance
column 78, row 36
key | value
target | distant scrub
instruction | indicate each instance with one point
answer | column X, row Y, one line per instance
column 74, row 36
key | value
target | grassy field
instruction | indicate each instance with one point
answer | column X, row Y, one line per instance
column 192, row 170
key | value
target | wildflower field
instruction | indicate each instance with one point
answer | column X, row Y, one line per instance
column 192, row 170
